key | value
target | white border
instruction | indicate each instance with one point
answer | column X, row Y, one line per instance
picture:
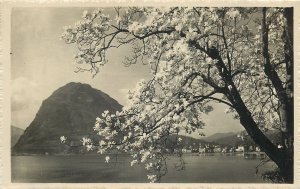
column 5, row 119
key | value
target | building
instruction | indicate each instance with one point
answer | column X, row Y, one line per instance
column 202, row 150
column 217, row 149
column 257, row 149
column 240, row 149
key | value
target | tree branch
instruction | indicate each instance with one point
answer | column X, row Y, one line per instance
column 204, row 97
column 268, row 68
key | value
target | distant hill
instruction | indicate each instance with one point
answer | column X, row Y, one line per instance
column 188, row 141
column 16, row 132
column 70, row 111
column 184, row 142
column 218, row 136
column 224, row 138
column 232, row 138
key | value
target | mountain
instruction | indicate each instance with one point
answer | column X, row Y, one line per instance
column 16, row 132
column 70, row 111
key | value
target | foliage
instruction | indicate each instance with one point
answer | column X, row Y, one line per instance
column 274, row 176
column 196, row 55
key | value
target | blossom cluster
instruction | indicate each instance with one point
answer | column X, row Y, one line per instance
column 177, row 43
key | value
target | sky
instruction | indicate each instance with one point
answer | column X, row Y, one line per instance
column 41, row 63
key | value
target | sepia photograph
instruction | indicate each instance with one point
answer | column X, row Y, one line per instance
column 146, row 94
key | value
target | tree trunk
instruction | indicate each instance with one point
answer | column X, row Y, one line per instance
column 277, row 155
column 287, row 108
column 282, row 157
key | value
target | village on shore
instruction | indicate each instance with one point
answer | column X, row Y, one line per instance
column 248, row 151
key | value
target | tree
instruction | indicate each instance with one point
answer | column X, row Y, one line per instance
column 241, row 57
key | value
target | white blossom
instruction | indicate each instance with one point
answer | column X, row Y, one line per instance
column 107, row 158
column 133, row 162
column 152, row 178
column 233, row 13
column 63, row 139
column 85, row 141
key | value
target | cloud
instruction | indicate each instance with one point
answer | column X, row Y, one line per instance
column 24, row 93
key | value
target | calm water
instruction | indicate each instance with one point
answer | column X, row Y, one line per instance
column 92, row 169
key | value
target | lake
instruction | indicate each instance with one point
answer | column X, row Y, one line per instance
column 92, row 169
